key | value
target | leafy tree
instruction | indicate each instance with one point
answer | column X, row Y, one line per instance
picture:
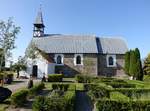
column 139, row 70
column 127, row 62
column 20, row 65
column 147, row 65
column 8, row 34
column 132, row 69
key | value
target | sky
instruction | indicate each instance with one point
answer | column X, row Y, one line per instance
column 128, row 19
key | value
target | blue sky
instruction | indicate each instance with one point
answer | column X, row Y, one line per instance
column 129, row 19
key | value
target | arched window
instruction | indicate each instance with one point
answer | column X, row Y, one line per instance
column 78, row 59
column 111, row 61
column 59, row 59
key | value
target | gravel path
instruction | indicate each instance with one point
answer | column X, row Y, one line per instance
column 22, row 83
column 82, row 102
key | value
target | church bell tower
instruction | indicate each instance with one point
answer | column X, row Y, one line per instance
column 38, row 30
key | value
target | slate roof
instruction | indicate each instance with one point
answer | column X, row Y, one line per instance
column 80, row 44
column 39, row 18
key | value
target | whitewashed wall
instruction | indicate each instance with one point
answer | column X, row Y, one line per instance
column 43, row 67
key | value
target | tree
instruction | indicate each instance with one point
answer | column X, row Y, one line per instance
column 139, row 70
column 8, row 34
column 147, row 65
column 20, row 65
column 133, row 60
column 127, row 63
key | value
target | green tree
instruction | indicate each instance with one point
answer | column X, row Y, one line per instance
column 20, row 65
column 139, row 70
column 147, row 65
column 132, row 69
column 8, row 34
column 127, row 63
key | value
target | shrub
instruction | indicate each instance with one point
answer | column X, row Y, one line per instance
column 117, row 105
column 55, row 102
column 19, row 98
column 55, row 77
column 63, row 87
column 133, row 92
column 35, row 89
column 83, row 78
column 69, row 98
column 121, row 85
column 118, row 96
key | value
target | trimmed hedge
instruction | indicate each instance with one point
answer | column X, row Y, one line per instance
column 64, row 87
column 120, row 85
column 19, row 98
column 55, row 102
column 119, row 105
column 35, row 89
column 133, row 92
column 118, row 96
column 55, row 77
column 83, row 79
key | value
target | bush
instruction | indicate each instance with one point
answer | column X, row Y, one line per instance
column 63, row 87
column 55, row 77
column 19, row 98
column 83, row 78
column 55, row 102
column 117, row 105
column 133, row 92
column 118, row 96
column 35, row 89
column 121, row 85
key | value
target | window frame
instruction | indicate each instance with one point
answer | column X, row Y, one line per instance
column 114, row 60
column 62, row 59
column 75, row 59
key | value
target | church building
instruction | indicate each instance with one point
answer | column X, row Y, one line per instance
column 75, row 54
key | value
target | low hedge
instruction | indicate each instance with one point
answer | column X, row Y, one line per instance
column 64, row 87
column 55, row 77
column 35, row 89
column 118, row 96
column 55, row 103
column 122, row 105
column 133, row 92
column 120, row 85
column 84, row 78
column 19, row 98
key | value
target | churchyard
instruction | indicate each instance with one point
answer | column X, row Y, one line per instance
column 82, row 93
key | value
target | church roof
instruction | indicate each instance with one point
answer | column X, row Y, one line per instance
column 80, row 44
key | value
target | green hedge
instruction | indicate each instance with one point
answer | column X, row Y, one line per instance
column 119, row 105
column 134, row 93
column 84, row 78
column 55, row 103
column 19, row 98
column 120, row 85
column 55, row 77
column 64, row 87
column 35, row 89
column 118, row 96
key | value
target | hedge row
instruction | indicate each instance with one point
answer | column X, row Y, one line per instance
column 55, row 77
column 55, row 103
column 120, row 85
column 64, row 87
column 20, row 97
column 122, row 105
column 133, row 92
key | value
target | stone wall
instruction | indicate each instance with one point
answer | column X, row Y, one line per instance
column 89, row 65
column 111, row 71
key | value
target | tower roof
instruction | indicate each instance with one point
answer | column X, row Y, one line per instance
column 39, row 18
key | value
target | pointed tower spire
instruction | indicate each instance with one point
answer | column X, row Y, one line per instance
column 38, row 30
column 39, row 18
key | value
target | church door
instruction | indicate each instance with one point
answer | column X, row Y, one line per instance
column 35, row 71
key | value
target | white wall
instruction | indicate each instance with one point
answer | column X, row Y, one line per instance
column 43, row 67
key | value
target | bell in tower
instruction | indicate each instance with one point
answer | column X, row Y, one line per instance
column 38, row 30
